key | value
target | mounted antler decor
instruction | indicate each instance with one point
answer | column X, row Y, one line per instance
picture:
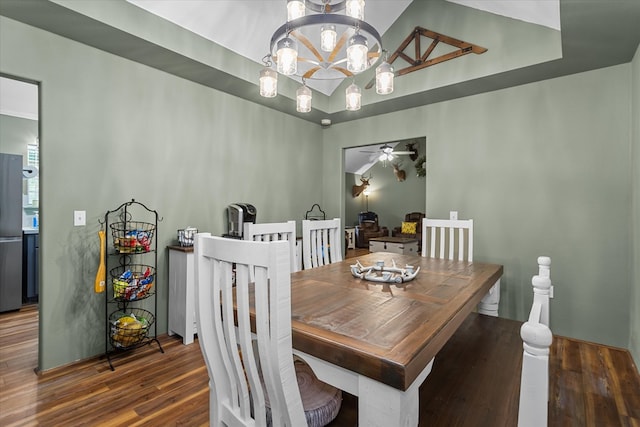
column 399, row 173
column 421, row 60
column 411, row 146
column 357, row 189
column 421, row 166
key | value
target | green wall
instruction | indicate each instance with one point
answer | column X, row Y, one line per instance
column 113, row 130
column 634, row 337
column 16, row 133
column 543, row 169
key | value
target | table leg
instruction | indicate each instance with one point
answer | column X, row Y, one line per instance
column 382, row 406
column 491, row 301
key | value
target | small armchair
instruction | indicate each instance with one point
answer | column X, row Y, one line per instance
column 407, row 229
column 368, row 228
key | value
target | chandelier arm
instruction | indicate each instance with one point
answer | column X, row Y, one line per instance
column 339, row 44
column 343, row 71
column 309, row 61
column 310, row 72
column 305, row 41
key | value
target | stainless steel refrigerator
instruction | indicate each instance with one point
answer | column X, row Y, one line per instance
column 10, row 232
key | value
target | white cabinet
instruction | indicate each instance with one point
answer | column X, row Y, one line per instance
column 350, row 233
column 182, row 298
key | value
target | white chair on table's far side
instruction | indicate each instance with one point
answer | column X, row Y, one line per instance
column 273, row 231
column 245, row 378
column 453, row 240
column 321, row 242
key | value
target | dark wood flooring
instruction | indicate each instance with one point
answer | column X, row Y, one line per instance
column 474, row 382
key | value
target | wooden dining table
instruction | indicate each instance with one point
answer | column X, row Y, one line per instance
column 378, row 340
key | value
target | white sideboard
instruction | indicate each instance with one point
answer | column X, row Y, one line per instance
column 182, row 298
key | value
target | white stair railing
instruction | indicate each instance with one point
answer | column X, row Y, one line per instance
column 536, row 340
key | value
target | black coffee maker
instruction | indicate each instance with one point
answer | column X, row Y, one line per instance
column 239, row 214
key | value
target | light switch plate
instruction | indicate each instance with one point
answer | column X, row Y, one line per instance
column 79, row 218
column 453, row 215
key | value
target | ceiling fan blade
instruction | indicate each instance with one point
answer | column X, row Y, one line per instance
column 402, row 153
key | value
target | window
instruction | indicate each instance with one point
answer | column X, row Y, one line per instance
column 33, row 184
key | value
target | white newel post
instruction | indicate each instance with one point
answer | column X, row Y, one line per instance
column 542, row 288
column 537, row 338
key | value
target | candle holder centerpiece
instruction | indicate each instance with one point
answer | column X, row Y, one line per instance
column 381, row 273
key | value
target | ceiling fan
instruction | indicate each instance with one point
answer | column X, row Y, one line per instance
column 387, row 153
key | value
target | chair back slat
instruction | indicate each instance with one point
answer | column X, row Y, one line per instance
column 447, row 239
column 321, row 242
column 229, row 275
column 273, row 231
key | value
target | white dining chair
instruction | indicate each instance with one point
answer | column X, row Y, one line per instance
column 453, row 240
column 273, row 231
column 447, row 239
column 321, row 242
column 253, row 379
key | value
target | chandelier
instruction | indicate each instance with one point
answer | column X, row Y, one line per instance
column 325, row 40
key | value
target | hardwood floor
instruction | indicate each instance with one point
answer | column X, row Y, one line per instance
column 474, row 382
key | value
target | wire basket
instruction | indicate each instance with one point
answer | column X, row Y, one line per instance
column 132, row 236
column 129, row 327
column 133, row 282
column 186, row 235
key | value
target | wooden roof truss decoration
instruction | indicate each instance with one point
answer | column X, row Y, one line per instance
column 422, row 60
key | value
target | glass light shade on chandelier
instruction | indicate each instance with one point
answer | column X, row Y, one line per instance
column 357, row 54
column 328, row 38
column 287, row 53
column 353, row 97
column 303, row 99
column 384, row 79
column 295, row 9
column 355, row 9
column 268, row 82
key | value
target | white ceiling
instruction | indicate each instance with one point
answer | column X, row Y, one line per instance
column 18, row 99
column 219, row 20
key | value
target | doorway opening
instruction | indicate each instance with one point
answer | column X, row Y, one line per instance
column 20, row 140
column 393, row 187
